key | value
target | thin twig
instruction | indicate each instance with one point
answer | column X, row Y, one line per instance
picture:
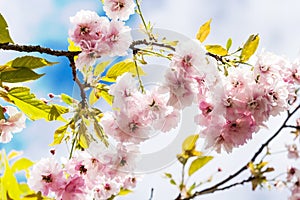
column 148, row 43
column 151, row 194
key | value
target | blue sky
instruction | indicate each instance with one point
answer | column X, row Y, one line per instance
column 46, row 22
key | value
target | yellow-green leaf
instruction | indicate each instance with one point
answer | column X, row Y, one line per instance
column 4, row 34
column 216, row 49
column 34, row 108
column 21, row 164
column 199, row 163
column 189, row 143
column 17, row 75
column 59, row 135
column 67, row 99
column 72, row 46
column 12, row 154
column 203, row 31
column 124, row 192
column 93, row 98
column 120, row 68
column 56, row 111
column 97, row 93
column 1, row 113
column 9, row 183
column 228, row 44
column 100, row 68
column 100, row 133
column 249, row 48
column 30, row 62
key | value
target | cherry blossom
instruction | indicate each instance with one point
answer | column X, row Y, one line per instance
column 14, row 122
column 119, row 9
column 47, row 176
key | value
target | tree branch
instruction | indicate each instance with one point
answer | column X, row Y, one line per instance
column 39, row 49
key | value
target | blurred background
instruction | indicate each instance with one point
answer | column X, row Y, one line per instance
column 46, row 23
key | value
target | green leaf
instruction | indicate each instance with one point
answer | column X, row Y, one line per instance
column 100, row 68
column 59, row 135
column 4, row 34
column 216, row 49
column 33, row 107
column 124, row 192
column 228, row 44
column 30, row 62
column 56, row 111
column 84, row 137
column 13, row 154
column 189, row 143
column 9, row 184
column 203, row 31
column 67, row 99
column 100, row 133
column 120, row 68
column 249, row 48
column 100, row 91
column 21, row 164
column 19, row 75
column 168, row 175
column 1, row 113
column 198, row 164
column 72, row 46
column 172, row 181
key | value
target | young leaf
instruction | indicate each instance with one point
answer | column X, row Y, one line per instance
column 189, row 143
column 4, row 34
column 100, row 133
column 120, row 68
column 21, row 164
column 249, row 48
column 19, row 75
column 198, row 164
column 228, row 44
column 59, row 135
column 12, row 154
column 216, row 49
column 1, row 113
column 67, row 99
column 31, row 106
column 124, row 192
column 72, row 46
column 30, row 62
column 100, row 68
column 9, row 184
column 56, row 111
column 203, row 31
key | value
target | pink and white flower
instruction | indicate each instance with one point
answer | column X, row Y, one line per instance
column 47, row 176
column 119, row 9
column 15, row 122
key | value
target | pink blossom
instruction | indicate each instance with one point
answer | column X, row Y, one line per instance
column 130, row 182
column 15, row 122
column 74, row 189
column 106, row 189
column 117, row 39
column 119, row 9
column 47, row 176
column 293, row 152
column 88, row 26
column 182, row 90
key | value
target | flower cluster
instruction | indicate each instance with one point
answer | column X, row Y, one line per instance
column 99, row 174
column 97, row 36
column 136, row 114
column 13, row 122
column 246, row 100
